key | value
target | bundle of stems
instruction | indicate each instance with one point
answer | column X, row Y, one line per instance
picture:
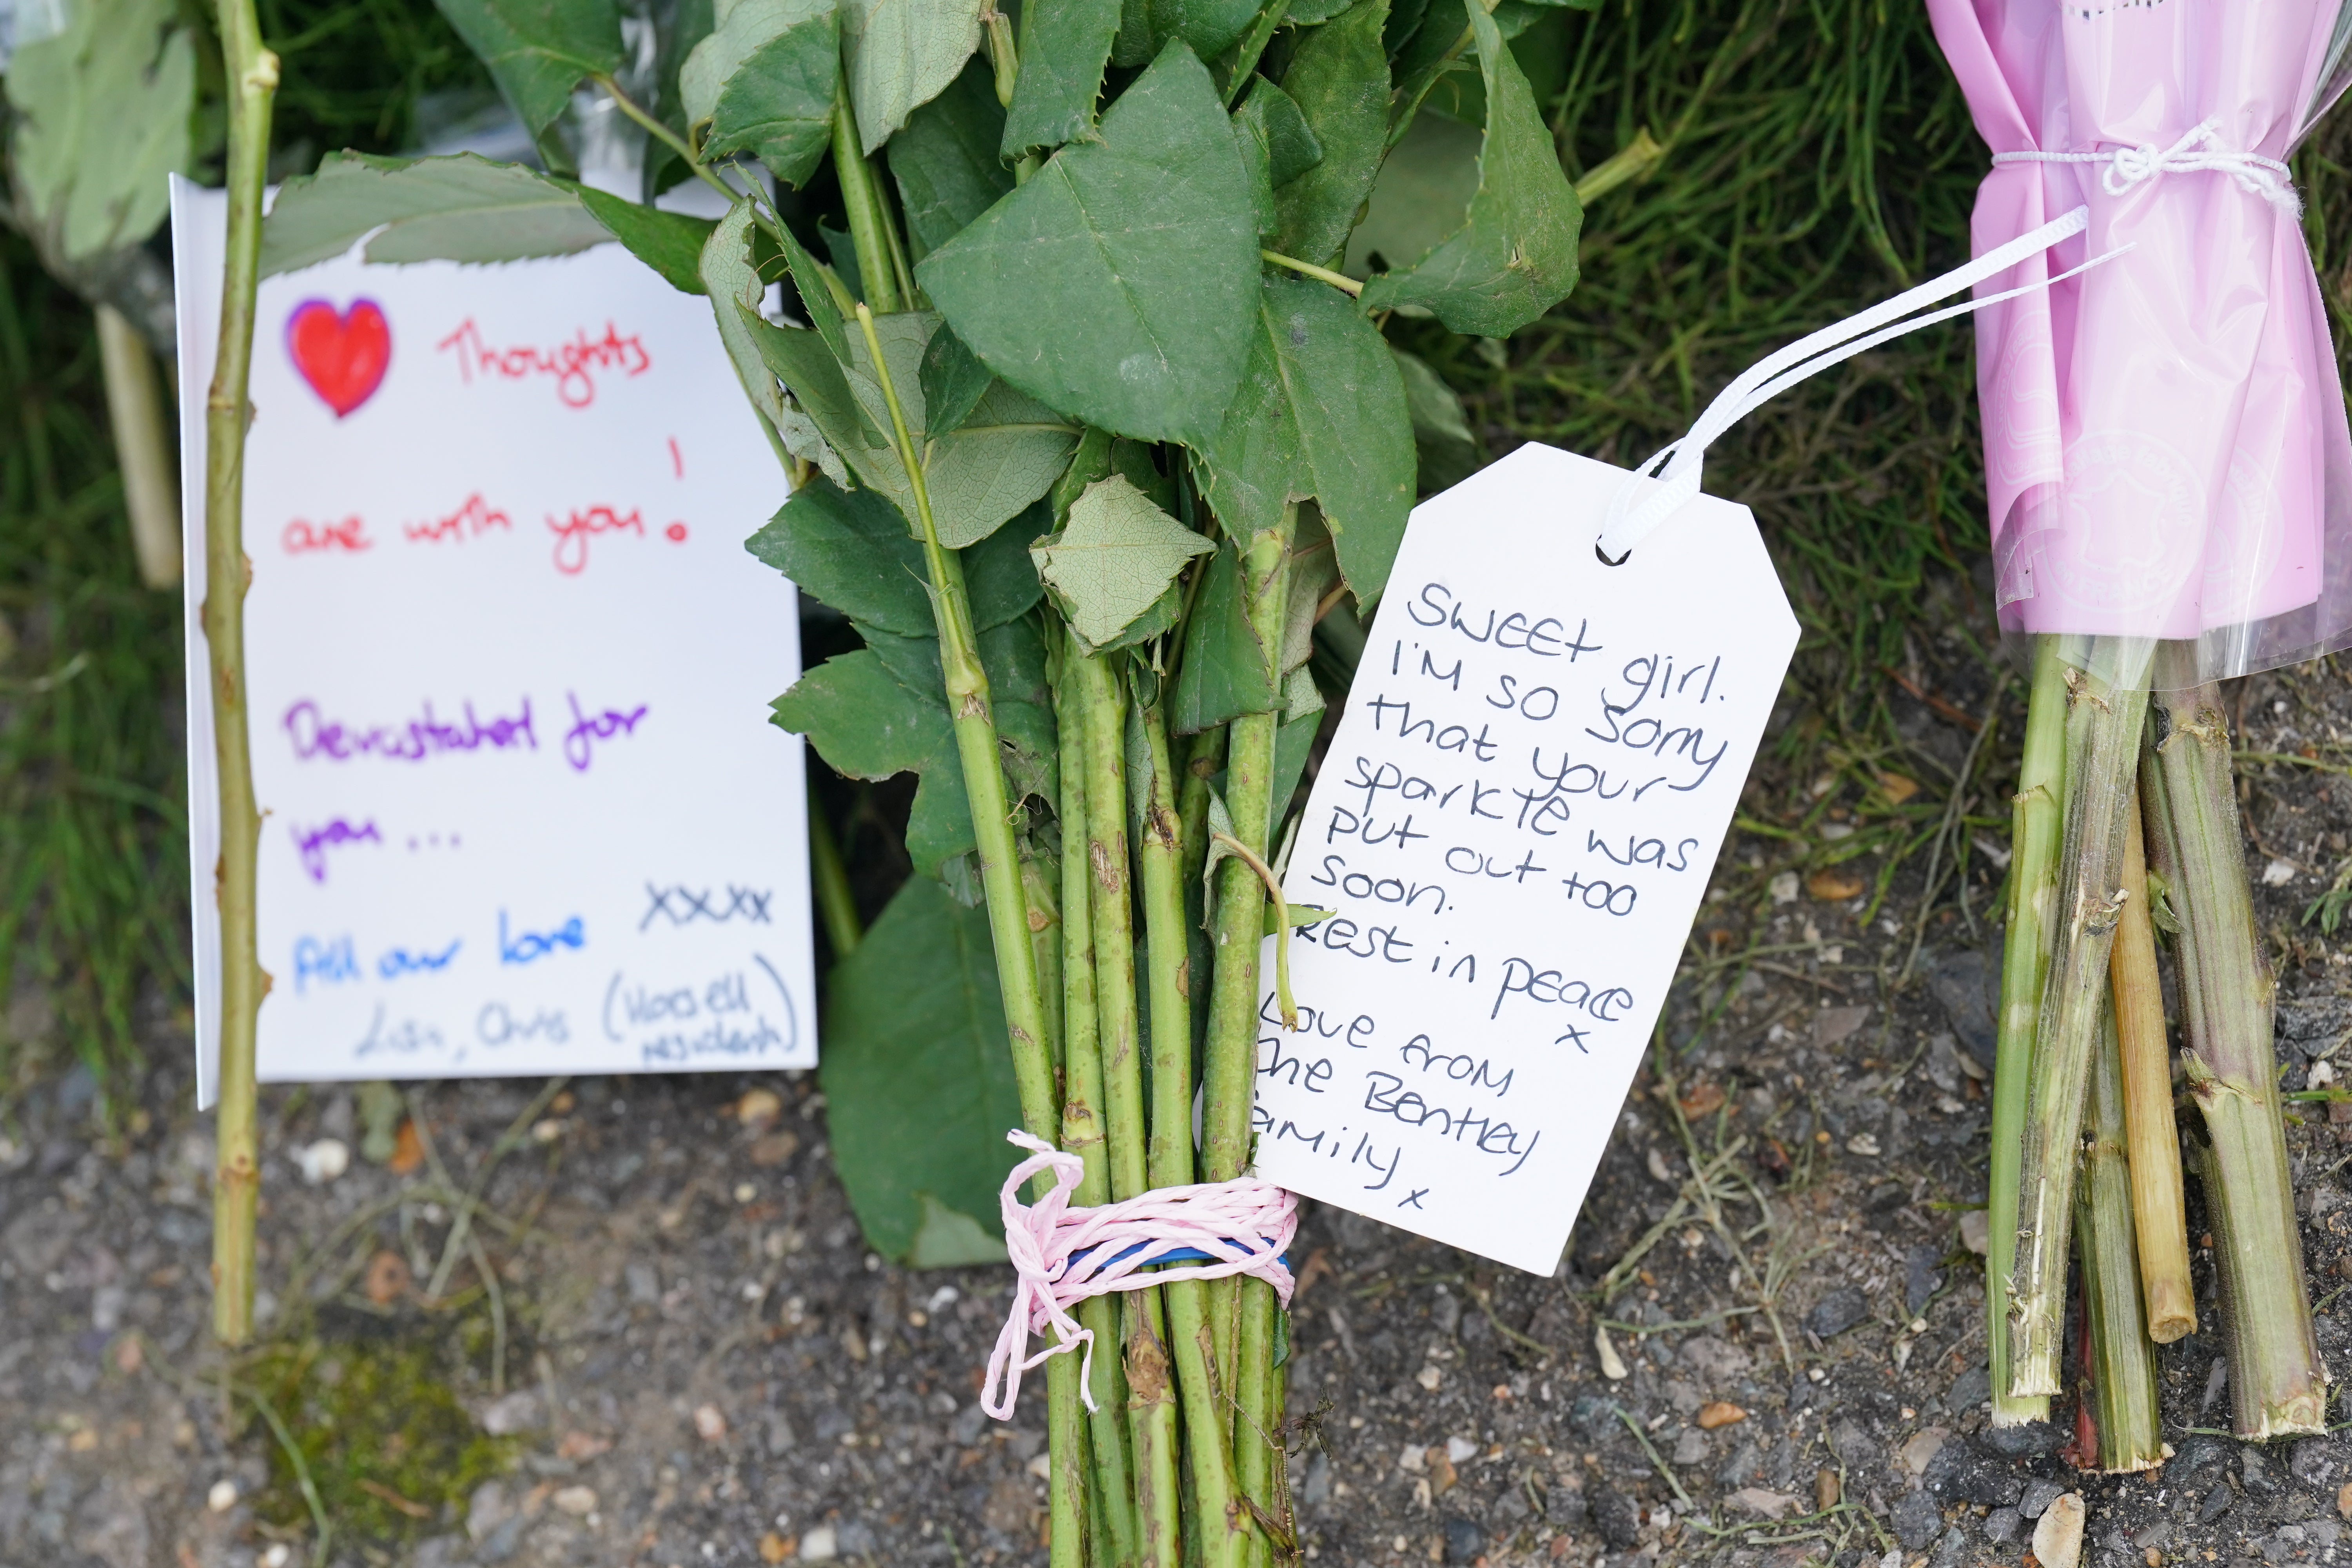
column 2083, row 1031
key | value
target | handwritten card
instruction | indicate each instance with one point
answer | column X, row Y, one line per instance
column 1514, row 825
column 509, row 668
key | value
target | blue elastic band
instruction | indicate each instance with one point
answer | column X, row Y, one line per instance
column 1174, row 1254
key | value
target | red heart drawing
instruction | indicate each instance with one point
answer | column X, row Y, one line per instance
column 343, row 355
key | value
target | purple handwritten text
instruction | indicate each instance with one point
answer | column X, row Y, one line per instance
column 311, row 844
column 588, row 729
column 411, row 740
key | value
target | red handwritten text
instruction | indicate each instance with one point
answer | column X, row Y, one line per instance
column 572, row 534
column 574, row 365
column 471, row 521
column 302, row 537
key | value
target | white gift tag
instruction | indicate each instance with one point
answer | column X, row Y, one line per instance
column 1515, row 822
column 509, row 667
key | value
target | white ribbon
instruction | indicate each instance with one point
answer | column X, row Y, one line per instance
column 2127, row 166
column 1671, row 477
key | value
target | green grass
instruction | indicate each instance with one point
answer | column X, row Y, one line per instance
column 93, row 856
column 93, row 878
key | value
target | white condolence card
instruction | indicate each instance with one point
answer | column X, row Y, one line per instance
column 1514, row 824
column 509, row 668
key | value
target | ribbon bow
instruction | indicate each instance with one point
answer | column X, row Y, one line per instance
column 2128, row 167
column 1062, row 1255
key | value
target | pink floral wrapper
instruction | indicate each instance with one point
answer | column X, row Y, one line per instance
column 2166, row 449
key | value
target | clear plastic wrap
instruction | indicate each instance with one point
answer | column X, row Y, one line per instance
column 2166, row 447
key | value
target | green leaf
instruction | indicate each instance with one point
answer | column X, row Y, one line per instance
column 1065, row 44
column 1294, row 741
column 733, row 286
column 1135, row 260
column 950, row 1238
column 1277, row 145
column 1299, row 915
column 849, row 549
column 1339, row 79
column 1515, row 256
column 1118, row 555
column 765, row 82
column 677, row 28
column 945, row 160
column 1209, row 28
column 1000, row 579
column 1321, row 414
column 902, row 54
column 1021, row 702
column 1005, row 455
column 866, row 722
column 1226, row 673
column 669, row 243
column 798, row 357
column 953, row 381
column 814, row 283
column 917, row 1082
column 539, row 51
column 732, row 283
column 458, row 208
column 103, row 109
column 1422, row 195
column 1448, row 453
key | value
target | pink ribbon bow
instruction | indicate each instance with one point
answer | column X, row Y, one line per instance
column 1065, row 1255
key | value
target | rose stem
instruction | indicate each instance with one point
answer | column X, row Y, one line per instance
column 1082, row 1124
column 2025, row 958
column 252, row 72
column 1223, row 1531
column 1234, row 996
column 2277, row 1383
column 2158, row 1221
column 2107, row 703
column 2121, row 1370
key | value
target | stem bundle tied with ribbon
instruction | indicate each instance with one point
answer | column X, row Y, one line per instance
column 2166, row 453
column 1090, row 426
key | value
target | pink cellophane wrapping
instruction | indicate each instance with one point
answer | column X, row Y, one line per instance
column 2166, row 450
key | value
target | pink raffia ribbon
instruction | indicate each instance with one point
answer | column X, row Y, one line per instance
column 1065, row 1255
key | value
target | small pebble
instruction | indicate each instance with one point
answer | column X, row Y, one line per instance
column 277, row 1556
column 758, row 1107
column 2058, row 1535
column 1921, row 1449
column 708, row 1424
column 577, row 1501
column 222, row 1498
column 1719, row 1413
column 325, row 1160
column 1825, row 1491
column 1429, row 1377
column 1975, row 1231
column 1613, row 1365
column 2344, row 1499
column 818, row 1545
column 1460, row 1449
